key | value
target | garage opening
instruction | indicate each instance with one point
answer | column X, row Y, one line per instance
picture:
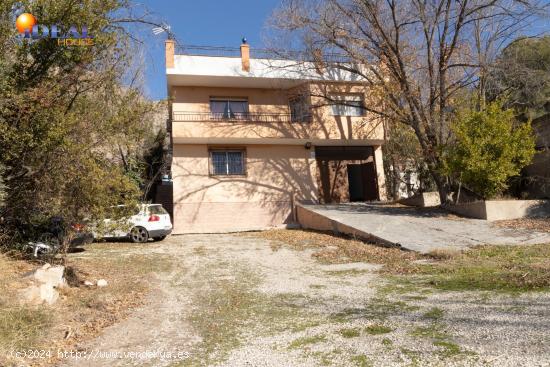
column 347, row 174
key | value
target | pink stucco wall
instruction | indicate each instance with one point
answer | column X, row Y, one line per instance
column 268, row 101
column 279, row 168
column 263, row 198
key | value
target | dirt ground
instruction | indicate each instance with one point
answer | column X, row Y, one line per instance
column 244, row 300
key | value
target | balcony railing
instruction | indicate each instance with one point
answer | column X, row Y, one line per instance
column 256, row 53
column 240, row 117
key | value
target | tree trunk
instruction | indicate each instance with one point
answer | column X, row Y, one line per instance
column 443, row 186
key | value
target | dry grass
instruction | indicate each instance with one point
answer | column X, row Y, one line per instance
column 82, row 312
column 492, row 268
column 333, row 249
column 534, row 224
column 20, row 327
column 443, row 254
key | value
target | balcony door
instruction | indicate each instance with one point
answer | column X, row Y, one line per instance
column 223, row 108
column 299, row 110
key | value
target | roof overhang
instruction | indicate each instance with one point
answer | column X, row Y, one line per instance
column 213, row 71
column 182, row 80
column 278, row 141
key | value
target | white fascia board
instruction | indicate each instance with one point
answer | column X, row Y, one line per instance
column 187, row 68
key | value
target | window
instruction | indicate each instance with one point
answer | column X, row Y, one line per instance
column 157, row 209
column 350, row 105
column 298, row 109
column 229, row 108
column 227, row 162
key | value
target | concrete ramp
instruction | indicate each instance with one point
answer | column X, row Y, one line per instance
column 417, row 229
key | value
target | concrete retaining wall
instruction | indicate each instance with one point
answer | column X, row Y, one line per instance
column 424, row 199
column 492, row 210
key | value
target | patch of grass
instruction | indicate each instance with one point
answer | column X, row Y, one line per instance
column 361, row 360
column 325, row 358
column 415, row 298
column 377, row 329
column 350, row 333
column 413, row 355
column 307, row 340
column 534, row 224
column 512, row 269
column 387, row 342
column 230, row 307
column 435, row 313
column 448, row 349
column 434, row 331
column 225, row 304
column 23, row 327
column 381, row 307
column 378, row 308
column 400, row 285
column 200, row 250
column 317, row 286
column 351, row 272
column 302, row 326
column 443, row 254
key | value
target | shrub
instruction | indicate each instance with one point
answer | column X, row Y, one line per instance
column 490, row 147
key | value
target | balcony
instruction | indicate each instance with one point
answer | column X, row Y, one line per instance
column 240, row 117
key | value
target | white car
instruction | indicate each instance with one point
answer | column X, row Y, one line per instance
column 152, row 221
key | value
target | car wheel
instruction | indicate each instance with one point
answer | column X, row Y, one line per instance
column 139, row 235
column 159, row 238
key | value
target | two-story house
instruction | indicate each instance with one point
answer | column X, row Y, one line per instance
column 252, row 136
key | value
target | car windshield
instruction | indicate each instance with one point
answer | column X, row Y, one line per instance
column 157, row 209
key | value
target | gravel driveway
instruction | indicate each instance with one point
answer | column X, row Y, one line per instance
column 233, row 300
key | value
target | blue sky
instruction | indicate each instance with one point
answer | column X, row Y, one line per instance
column 203, row 22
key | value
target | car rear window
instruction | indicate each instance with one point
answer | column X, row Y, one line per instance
column 157, row 209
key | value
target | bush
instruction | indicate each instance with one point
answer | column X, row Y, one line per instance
column 490, row 147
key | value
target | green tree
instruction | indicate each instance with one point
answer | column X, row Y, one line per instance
column 521, row 77
column 489, row 148
column 66, row 113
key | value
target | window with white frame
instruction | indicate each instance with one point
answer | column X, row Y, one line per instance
column 227, row 162
column 348, row 105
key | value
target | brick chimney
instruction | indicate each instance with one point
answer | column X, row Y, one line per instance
column 245, row 55
column 169, row 48
column 318, row 61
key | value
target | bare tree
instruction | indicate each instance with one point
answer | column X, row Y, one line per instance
column 419, row 55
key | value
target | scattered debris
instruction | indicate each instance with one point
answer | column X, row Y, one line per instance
column 46, row 280
column 38, row 294
column 52, row 275
column 87, row 283
column 102, row 283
